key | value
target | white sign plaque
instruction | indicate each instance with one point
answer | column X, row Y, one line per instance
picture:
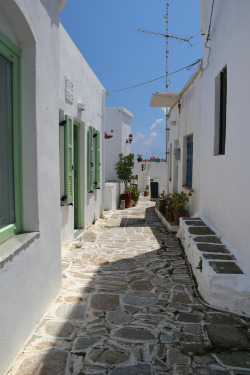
column 69, row 90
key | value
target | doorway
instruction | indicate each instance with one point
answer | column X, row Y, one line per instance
column 77, row 186
column 154, row 189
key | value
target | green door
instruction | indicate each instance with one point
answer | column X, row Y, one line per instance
column 77, row 199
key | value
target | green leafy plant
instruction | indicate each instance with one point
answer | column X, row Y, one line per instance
column 124, row 168
column 180, row 200
column 163, row 196
column 139, row 156
column 133, row 191
column 78, row 245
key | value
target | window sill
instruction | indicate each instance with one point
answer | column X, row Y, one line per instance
column 14, row 245
column 187, row 187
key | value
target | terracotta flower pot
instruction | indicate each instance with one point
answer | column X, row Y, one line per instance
column 169, row 213
column 162, row 202
column 178, row 214
column 127, row 198
column 139, row 159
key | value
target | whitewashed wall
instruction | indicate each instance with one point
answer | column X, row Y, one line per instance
column 89, row 91
column 152, row 171
column 30, row 278
column 117, row 124
column 225, row 181
column 185, row 120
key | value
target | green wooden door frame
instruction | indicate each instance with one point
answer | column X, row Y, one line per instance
column 77, row 177
column 12, row 53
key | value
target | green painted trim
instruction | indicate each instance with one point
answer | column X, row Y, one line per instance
column 90, row 160
column 77, row 167
column 12, row 46
column 68, row 153
column 11, row 52
column 7, row 232
column 98, row 161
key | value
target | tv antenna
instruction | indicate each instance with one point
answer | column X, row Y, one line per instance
column 167, row 36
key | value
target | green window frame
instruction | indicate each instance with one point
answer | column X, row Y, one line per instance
column 13, row 54
column 68, row 159
column 97, row 161
column 90, row 159
column 94, row 159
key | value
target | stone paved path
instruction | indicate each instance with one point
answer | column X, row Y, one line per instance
column 127, row 307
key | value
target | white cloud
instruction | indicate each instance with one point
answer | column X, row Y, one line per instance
column 158, row 121
column 164, row 110
column 140, row 135
column 149, row 141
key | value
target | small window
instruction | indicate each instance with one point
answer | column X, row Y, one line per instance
column 189, row 165
column 220, row 112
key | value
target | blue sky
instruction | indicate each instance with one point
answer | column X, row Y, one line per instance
column 105, row 31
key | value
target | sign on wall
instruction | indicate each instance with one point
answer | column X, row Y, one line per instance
column 69, row 90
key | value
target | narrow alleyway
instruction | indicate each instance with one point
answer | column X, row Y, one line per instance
column 128, row 307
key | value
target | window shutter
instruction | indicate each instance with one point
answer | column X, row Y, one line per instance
column 90, row 159
column 97, row 160
column 68, row 145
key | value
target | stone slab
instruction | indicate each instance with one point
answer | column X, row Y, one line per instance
column 194, row 222
column 207, row 239
column 209, row 248
column 235, row 359
column 135, row 334
column 104, row 301
column 44, row 363
column 119, row 317
column 201, row 231
column 226, row 267
column 219, row 256
column 81, row 344
column 227, row 336
column 142, row 369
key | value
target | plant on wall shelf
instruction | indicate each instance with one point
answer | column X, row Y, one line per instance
column 124, row 170
column 179, row 203
column 139, row 157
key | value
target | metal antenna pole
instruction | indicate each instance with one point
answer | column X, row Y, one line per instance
column 167, row 36
column 167, row 52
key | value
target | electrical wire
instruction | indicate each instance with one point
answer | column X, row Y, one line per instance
column 188, row 67
column 208, row 33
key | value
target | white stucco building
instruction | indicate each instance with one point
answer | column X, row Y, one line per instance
column 117, row 136
column 51, row 168
column 118, row 129
column 153, row 174
column 84, row 103
column 208, row 150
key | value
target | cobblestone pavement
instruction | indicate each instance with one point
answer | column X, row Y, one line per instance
column 128, row 307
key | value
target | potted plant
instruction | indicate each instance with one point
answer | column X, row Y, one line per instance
column 179, row 202
column 146, row 191
column 162, row 198
column 139, row 157
column 124, row 170
column 169, row 208
column 134, row 193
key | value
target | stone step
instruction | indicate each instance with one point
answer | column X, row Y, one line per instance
column 221, row 281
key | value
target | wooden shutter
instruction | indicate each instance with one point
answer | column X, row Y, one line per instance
column 90, row 159
column 68, row 161
column 97, row 160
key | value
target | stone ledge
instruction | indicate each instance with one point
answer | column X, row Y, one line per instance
column 14, row 245
column 221, row 282
column 170, row 225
